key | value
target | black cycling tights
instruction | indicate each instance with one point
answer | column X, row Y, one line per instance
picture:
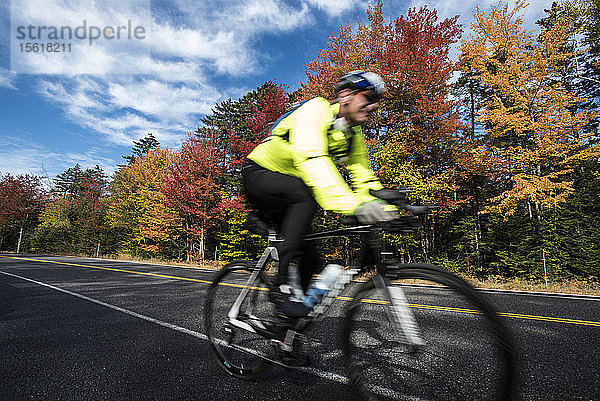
column 290, row 204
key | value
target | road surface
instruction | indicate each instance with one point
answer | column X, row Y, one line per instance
column 91, row 329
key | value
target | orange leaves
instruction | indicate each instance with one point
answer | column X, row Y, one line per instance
column 191, row 184
column 533, row 129
column 137, row 205
column 531, row 188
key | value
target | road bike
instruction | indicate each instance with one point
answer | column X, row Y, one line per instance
column 410, row 330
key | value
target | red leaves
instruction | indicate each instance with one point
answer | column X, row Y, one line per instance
column 411, row 54
column 191, row 183
column 19, row 196
column 272, row 102
column 191, row 187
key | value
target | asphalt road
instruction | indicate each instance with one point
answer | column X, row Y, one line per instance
column 89, row 329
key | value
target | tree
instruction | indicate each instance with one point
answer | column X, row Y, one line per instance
column 141, row 147
column 21, row 201
column 534, row 139
column 139, row 210
column 191, row 188
column 581, row 73
column 74, row 219
column 413, row 136
column 234, row 239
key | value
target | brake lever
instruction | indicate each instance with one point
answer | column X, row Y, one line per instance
column 416, row 210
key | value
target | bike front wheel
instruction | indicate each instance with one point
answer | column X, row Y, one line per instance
column 466, row 353
column 235, row 343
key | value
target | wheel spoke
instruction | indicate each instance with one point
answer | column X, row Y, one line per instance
column 463, row 357
column 239, row 351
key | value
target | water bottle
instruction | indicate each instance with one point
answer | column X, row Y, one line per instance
column 321, row 286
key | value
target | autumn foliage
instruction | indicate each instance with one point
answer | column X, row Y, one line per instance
column 416, row 119
column 534, row 139
column 504, row 139
column 190, row 187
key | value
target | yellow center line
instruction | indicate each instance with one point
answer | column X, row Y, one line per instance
column 111, row 269
column 342, row 298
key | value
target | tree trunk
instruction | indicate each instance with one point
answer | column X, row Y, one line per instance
column 202, row 245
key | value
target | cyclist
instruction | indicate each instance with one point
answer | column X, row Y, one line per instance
column 295, row 168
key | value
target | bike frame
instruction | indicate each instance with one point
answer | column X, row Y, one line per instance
column 398, row 309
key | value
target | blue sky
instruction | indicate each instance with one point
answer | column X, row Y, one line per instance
column 86, row 107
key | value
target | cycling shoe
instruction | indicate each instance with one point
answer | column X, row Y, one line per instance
column 287, row 304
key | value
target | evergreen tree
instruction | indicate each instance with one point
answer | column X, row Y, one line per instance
column 141, row 147
column 74, row 220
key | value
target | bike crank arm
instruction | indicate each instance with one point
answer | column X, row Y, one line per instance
column 257, row 354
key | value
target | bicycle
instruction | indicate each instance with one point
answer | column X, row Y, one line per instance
column 396, row 342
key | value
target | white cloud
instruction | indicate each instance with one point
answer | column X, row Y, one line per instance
column 132, row 90
column 77, row 56
column 225, row 50
column 162, row 100
column 161, row 85
column 337, row 7
column 7, row 78
column 126, row 109
column 20, row 156
column 269, row 15
column 90, row 159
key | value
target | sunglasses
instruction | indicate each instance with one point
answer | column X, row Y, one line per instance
column 371, row 96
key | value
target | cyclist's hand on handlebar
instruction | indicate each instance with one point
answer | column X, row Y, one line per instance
column 375, row 211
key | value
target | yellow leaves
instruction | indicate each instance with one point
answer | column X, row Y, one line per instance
column 531, row 188
column 399, row 172
column 53, row 215
column 138, row 206
column 533, row 137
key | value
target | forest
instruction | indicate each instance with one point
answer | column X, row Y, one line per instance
column 504, row 139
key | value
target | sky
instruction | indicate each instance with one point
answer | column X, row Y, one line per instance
column 172, row 61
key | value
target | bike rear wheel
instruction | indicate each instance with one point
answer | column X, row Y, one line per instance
column 238, row 350
column 468, row 353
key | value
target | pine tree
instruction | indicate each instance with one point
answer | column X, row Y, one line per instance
column 141, row 147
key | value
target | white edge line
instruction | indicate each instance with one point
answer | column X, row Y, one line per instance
column 318, row 372
column 114, row 307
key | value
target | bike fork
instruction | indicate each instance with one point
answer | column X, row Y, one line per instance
column 402, row 318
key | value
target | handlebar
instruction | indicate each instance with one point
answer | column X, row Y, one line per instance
column 403, row 224
column 397, row 197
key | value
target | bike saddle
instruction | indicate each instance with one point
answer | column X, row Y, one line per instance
column 256, row 224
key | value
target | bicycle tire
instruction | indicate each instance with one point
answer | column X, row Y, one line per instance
column 478, row 364
column 239, row 352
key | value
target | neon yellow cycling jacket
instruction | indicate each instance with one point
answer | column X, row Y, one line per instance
column 305, row 144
